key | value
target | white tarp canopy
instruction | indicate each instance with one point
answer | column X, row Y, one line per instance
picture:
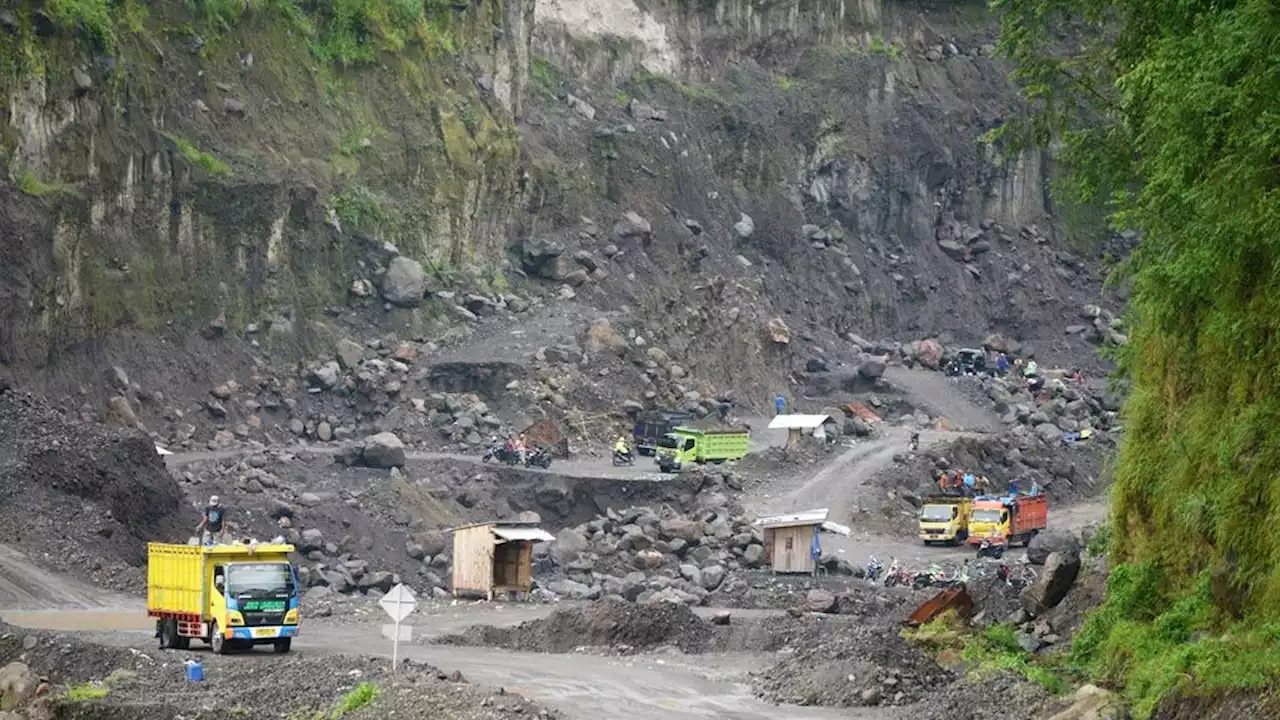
column 798, row 422
column 807, row 517
column 531, row 534
column 162, row 451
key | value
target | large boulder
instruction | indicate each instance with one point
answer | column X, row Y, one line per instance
column 1051, row 541
column 820, row 601
column 17, row 685
column 383, row 450
column 405, row 282
column 601, row 338
column 712, row 577
column 1055, row 581
column 569, row 542
column 649, row 559
column 871, row 367
column 679, row 528
column 929, row 354
column 753, row 555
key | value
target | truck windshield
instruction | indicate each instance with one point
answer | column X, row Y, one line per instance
column 935, row 513
column 669, row 442
column 986, row 516
column 260, row 580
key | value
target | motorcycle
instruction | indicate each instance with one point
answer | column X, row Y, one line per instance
column 991, row 548
column 915, row 442
column 621, row 458
column 501, row 454
column 539, row 458
column 897, row 575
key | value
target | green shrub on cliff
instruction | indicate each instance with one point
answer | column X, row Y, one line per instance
column 1168, row 114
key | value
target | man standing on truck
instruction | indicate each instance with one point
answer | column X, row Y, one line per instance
column 213, row 523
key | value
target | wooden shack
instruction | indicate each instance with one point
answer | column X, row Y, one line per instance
column 788, row 540
column 495, row 557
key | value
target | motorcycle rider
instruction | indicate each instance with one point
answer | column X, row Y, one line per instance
column 915, row 440
column 621, row 449
column 523, row 449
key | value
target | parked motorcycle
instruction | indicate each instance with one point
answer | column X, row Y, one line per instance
column 501, row 454
column 991, row 548
column 621, row 458
column 539, row 458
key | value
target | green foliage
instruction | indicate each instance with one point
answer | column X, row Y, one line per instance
column 133, row 15
column 1166, row 114
column 1099, row 542
column 354, row 31
column 1154, row 644
column 90, row 18
column 206, row 161
column 29, row 184
column 547, row 78
column 786, row 83
column 359, row 696
column 85, row 692
column 994, row 649
column 888, row 48
column 358, row 208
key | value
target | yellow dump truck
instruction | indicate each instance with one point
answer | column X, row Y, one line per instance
column 229, row 596
column 685, row 445
column 945, row 519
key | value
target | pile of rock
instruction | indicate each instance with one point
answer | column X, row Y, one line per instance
column 641, row 556
column 1063, row 407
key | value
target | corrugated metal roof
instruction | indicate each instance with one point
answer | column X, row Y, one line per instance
column 496, row 523
column 807, row 517
column 524, row 533
column 797, row 422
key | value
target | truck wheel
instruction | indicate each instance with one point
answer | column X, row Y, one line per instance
column 218, row 643
column 169, row 634
column 283, row 645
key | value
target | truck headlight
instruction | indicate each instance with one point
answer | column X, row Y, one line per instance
column 291, row 617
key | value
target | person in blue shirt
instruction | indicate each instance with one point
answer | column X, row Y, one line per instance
column 1002, row 364
column 969, row 482
column 779, row 404
column 1013, row 487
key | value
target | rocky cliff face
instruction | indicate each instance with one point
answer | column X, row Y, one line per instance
column 847, row 132
column 699, row 167
column 199, row 173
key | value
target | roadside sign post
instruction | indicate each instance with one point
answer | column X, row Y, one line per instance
column 399, row 604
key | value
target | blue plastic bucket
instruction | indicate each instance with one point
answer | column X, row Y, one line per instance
column 195, row 671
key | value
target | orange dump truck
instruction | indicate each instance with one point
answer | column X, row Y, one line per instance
column 1009, row 519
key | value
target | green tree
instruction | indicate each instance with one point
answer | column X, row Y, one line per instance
column 1168, row 113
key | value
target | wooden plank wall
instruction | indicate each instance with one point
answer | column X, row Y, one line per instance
column 473, row 559
column 795, row 558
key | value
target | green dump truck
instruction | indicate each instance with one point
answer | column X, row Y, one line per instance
column 685, row 445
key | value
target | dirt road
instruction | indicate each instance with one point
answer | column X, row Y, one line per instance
column 582, row 467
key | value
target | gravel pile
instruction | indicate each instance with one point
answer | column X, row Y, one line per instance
column 153, row 685
column 860, row 665
column 84, row 497
column 620, row 626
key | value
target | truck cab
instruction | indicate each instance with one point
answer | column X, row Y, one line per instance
column 945, row 519
column 1008, row 520
column 990, row 521
column 225, row 595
